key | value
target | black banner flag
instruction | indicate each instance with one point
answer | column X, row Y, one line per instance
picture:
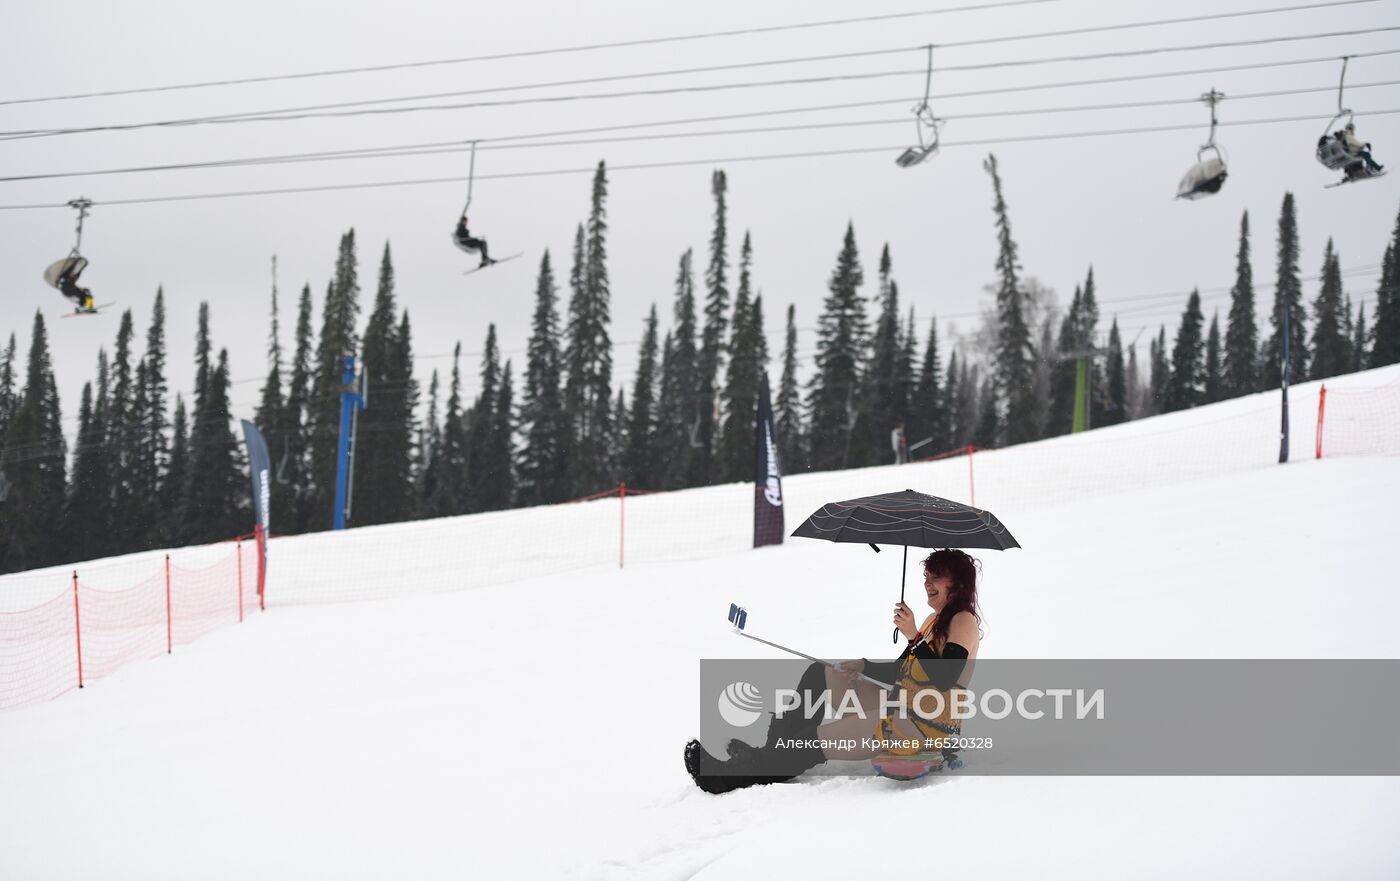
column 260, row 467
column 767, row 476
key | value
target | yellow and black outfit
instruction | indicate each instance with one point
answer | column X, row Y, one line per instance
column 921, row 667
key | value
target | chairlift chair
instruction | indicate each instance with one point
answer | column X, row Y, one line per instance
column 1207, row 176
column 928, row 126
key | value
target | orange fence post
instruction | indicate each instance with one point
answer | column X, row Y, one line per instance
column 238, row 551
column 621, row 521
column 78, row 628
column 971, row 479
column 1321, row 406
column 168, row 642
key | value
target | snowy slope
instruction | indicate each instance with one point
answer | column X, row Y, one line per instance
column 532, row 727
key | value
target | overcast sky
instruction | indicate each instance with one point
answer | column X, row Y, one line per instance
column 1104, row 201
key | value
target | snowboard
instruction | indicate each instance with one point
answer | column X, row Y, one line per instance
column 493, row 263
column 95, row 310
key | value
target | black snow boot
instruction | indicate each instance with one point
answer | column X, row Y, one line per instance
column 747, row 766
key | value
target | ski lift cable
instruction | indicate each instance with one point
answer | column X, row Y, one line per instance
column 680, row 163
column 536, row 53
column 405, row 149
column 330, row 111
column 506, row 143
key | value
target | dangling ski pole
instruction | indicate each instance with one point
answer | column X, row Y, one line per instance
column 739, row 616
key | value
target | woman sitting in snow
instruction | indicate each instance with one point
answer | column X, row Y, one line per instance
column 939, row 656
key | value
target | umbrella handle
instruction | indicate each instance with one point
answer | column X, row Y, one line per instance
column 894, row 637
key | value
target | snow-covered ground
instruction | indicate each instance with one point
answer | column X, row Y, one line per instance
column 531, row 726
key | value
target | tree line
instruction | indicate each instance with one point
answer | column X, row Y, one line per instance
column 145, row 472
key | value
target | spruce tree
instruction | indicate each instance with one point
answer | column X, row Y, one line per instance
column 985, row 418
column 639, row 463
column 449, row 494
column 1241, row 370
column 384, row 442
column 1115, row 380
column 156, row 422
column 484, row 477
column 1288, row 295
column 956, row 435
column 1159, row 375
column 1348, row 330
column 1359, row 357
column 216, row 488
column 543, row 479
column 1015, row 355
column 758, row 332
column 122, row 435
column 1186, row 385
column 85, row 533
column 929, row 413
column 500, row 449
column 1214, row 375
column 678, row 416
column 1088, row 330
column 291, row 500
column 747, row 357
column 429, row 444
column 598, row 445
column 33, row 459
column 9, row 401
column 908, row 378
column 1329, row 339
column 144, row 476
column 703, row 467
column 787, row 416
column 1064, row 374
column 338, row 340
column 883, row 382
column 174, row 488
column 1041, row 377
column 271, row 403
column 1385, row 329
column 269, row 416
column 833, row 396
column 1133, row 398
column 402, row 359
column 588, row 354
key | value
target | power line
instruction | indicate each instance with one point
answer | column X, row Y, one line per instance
column 323, row 111
column 681, row 163
column 441, row 148
column 537, row 53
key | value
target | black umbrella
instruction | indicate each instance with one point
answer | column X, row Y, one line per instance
column 907, row 518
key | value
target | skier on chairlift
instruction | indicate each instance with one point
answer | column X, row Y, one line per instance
column 464, row 239
column 68, row 285
column 1358, row 148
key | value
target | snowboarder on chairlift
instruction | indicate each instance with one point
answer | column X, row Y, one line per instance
column 1356, row 147
column 466, row 242
column 68, row 286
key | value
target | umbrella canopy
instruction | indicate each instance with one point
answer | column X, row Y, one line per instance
column 907, row 518
column 71, row 264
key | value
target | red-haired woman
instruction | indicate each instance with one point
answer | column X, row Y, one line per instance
column 939, row 657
